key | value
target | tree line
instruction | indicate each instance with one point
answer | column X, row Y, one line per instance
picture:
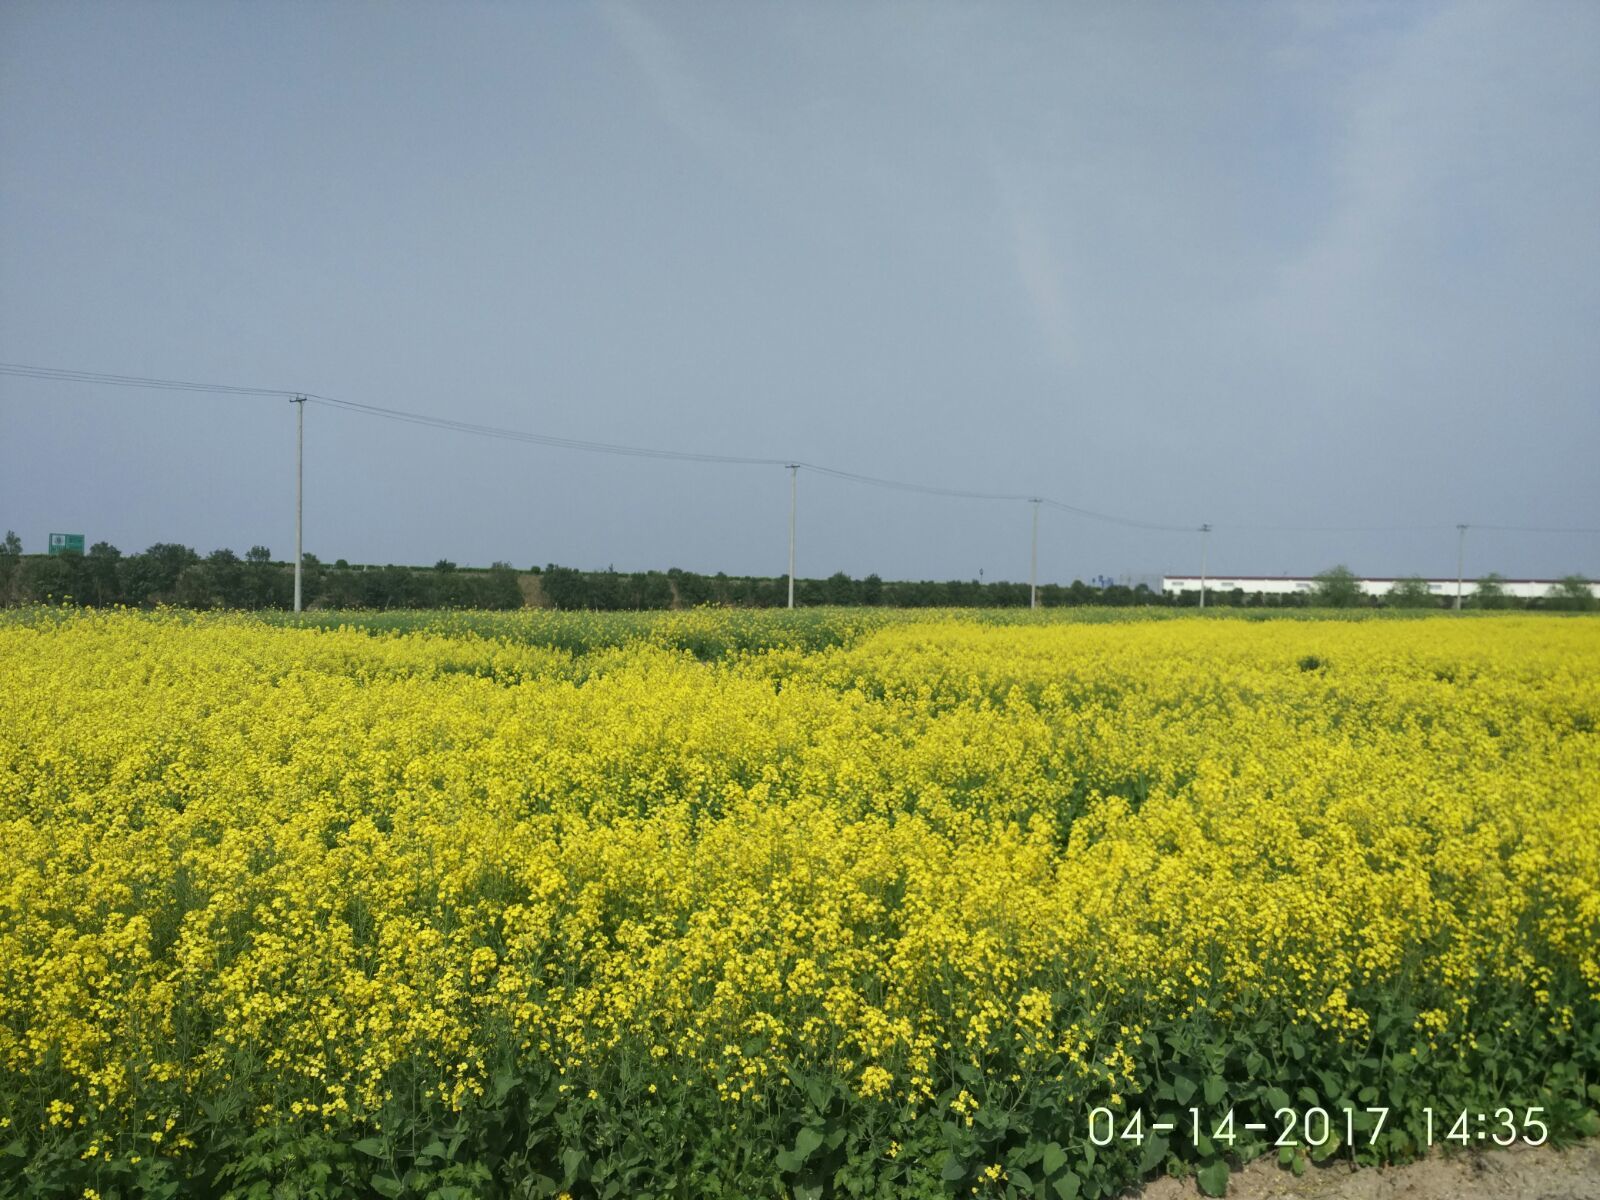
column 170, row 573
column 1340, row 587
column 566, row 587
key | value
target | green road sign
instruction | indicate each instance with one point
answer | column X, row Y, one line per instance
column 66, row 543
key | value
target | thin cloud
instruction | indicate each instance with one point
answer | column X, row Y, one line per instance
column 681, row 97
column 1037, row 263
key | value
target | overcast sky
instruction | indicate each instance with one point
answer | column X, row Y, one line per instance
column 1292, row 265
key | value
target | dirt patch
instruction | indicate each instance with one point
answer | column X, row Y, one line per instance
column 1517, row 1173
column 532, row 588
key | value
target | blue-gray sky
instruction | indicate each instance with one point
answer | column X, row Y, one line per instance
column 1253, row 264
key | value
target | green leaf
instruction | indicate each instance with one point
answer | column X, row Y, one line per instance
column 1327, row 1150
column 1213, row 1178
column 954, row 1169
column 387, row 1185
column 1054, row 1158
column 1589, row 1124
column 1155, row 1149
column 807, row 1141
column 1216, row 1088
column 372, row 1147
column 1184, row 1087
column 1067, row 1185
column 572, row 1163
column 1277, row 1097
column 1285, row 1155
column 1025, row 1156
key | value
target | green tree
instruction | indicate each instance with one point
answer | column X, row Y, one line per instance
column 265, row 586
column 501, row 589
column 10, row 560
column 692, row 589
column 227, row 579
column 150, row 577
column 1412, row 592
column 101, row 574
column 1491, row 592
column 565, row 587
column 52, row 579
column 1573, row 593
column 1337, row 587
column 313, row 574
column 195, row 588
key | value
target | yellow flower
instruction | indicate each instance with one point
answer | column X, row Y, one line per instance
column 739, row 848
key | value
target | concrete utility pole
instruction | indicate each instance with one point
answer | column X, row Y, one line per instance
column 1033, row 562
column 1461, row 558
column 299, row 489
column 1205, row 539
column 794, row 475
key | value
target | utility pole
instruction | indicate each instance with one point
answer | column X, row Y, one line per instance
column 1205, row 538
column 1033, row 563
column 794, row 475
column 299, row 489
column 1461, row 558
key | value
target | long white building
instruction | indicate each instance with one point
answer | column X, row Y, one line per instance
column 1287, row 585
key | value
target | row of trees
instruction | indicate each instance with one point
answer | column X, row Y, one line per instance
column 565, row 587
column 1339, row 587
column 168, row 573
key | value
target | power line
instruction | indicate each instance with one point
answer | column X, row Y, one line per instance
column 966, row 494
column 1393, row 529
column 1336, row 528
column 25, row 371
column 22, row 371
column 1528, row 529
column 182, row 385
column 541, row 439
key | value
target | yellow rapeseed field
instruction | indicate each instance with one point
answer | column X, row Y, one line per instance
column 349, row 882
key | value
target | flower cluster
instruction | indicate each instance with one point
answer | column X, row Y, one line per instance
column 308, row 866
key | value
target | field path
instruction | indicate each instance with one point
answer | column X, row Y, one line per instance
column 1519, row 1173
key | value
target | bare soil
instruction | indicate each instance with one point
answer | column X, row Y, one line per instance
column 1517, row 1173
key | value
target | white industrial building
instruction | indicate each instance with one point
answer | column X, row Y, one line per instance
column 1288, row 585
